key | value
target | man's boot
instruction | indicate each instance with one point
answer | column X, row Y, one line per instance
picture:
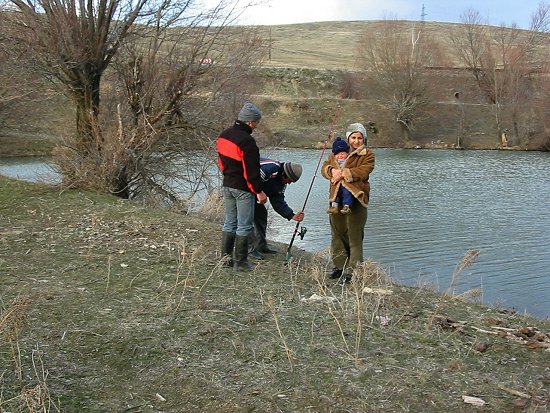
column 257, row 255
column 241, row 254
column 228, row 245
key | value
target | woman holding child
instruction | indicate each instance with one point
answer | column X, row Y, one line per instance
column 352, row 173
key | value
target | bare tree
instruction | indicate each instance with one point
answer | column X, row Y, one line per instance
column 395, row 59
column 503, row 61
column 75, row 42
column 170, row 63
column 178, row 88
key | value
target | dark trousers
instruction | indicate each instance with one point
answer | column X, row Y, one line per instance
column 258, row 235
column 344, row 197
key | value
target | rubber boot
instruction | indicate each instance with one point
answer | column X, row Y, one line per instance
column 257, row 255
column 228, row 245
column 241, row 254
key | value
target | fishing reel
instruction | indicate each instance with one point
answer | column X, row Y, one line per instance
column 302, row 232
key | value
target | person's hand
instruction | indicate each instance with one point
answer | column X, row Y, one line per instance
column 299, row 217
column 262, row 198
column 336, row 175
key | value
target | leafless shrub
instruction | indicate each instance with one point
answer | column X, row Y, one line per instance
column 348, row 86
column 169, row 74
column 396, row 60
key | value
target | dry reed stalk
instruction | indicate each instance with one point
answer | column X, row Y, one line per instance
column 357, row 284
column 465, row 262
column 13, row 318
column 318, row 270
column 293, row 266
column 108, row 273
column 219, row 265
column 181, row 254
column 212, row 207
column 288, row 351
column 39, row 397
column 339, row 325
column 183, row 258
column 30, row 399
column 12, row 321
column 367, row 274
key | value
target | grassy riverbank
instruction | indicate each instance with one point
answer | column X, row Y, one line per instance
column 19, row 146
column 109, row 306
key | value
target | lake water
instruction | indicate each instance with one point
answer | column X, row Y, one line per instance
column 28, row 169
column 427, row 209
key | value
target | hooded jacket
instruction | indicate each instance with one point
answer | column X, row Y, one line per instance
column 356, row 170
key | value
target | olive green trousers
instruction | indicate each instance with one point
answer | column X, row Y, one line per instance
column 348, row 232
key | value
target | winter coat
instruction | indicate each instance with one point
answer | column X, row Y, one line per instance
column 355, row 171
column 271, row 173
column 239, row 158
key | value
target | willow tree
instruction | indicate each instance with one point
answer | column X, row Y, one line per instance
column 75, row 41
column 136, row 72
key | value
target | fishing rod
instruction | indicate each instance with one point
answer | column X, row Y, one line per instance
column 302, row 232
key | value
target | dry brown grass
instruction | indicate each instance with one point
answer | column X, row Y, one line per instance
column 26, row 384
column 132, row 311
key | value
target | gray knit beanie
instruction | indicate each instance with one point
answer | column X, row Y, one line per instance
column 292, row 170
column 357, row 127
column 249, row 113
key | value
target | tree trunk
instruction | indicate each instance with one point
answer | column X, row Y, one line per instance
column 89, row 139
column 405, row 130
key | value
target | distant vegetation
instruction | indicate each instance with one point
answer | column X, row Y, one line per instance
column 172, row 83
column 430, row 84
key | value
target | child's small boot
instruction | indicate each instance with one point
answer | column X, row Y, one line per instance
column 333, row 208
column 346, row 209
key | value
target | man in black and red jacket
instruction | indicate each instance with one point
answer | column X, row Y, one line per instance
column 239, row 161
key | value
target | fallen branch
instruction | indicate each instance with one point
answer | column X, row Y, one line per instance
column 514, row 392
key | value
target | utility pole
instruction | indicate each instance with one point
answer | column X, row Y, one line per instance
column 423, row 15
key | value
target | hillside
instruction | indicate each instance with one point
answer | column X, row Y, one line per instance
column 332, row 45
column 310, row 68
column 313, row 60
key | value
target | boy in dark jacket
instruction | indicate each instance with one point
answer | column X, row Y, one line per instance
column 275, row 177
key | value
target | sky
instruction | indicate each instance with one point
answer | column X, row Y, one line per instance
column 497, row 12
